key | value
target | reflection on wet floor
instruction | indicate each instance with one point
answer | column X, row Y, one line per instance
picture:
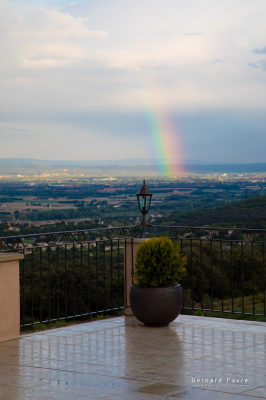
column 120, row 358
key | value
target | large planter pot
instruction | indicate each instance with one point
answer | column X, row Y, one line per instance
column 156, row 306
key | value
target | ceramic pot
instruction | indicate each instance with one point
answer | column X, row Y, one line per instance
column 156, row 306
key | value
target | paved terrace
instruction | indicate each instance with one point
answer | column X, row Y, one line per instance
column 119, row 359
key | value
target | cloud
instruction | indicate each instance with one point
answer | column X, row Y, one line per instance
column 13, row 130
column 93, row 56
column 260, row 51
column 119, row 59
column 123, row 57
column 52, row 24
column 259, row 65
column 192, row 34
column 14, row 133
column 51, row 56
column 41, row 38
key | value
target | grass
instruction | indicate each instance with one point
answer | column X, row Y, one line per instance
column 217, row 305
column 228, row 315
column 239, row 313
column 248, row 304
column 37, row 327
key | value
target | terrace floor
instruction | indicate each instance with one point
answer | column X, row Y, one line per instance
column 119, row 358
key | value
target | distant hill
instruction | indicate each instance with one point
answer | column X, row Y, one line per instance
column 249, row 213
column 226, row 168
column 192, row 166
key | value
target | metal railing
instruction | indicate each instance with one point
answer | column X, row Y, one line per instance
column 81, row 273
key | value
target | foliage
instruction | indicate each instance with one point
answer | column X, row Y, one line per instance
column 214, row 274
column 159, row 263
column 248, row 213
column 72, row 280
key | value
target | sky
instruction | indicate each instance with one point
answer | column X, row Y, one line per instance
column 126, row 79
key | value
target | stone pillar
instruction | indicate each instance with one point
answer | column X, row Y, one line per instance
column 9, row 296
column 131, row 246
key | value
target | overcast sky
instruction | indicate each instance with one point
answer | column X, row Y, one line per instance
column 82, row 80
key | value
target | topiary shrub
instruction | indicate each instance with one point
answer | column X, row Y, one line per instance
column 159, row 264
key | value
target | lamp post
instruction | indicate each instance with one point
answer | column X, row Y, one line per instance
column 144, row 201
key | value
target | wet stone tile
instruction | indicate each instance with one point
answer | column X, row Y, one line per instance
column 202, row 394
column 162, row 389
column 259, row 392
column 122, row 359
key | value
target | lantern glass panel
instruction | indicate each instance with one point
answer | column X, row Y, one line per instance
column 141, row 202
column 148, row 202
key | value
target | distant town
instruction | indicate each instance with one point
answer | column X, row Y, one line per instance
column 46, row 195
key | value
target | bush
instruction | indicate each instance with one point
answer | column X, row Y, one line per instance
column 159, row 263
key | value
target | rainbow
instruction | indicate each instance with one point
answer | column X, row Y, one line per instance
column 166, row 147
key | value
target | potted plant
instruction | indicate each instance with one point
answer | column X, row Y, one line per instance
column 156, row 297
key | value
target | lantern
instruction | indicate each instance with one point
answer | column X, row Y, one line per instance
column 144, row 201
